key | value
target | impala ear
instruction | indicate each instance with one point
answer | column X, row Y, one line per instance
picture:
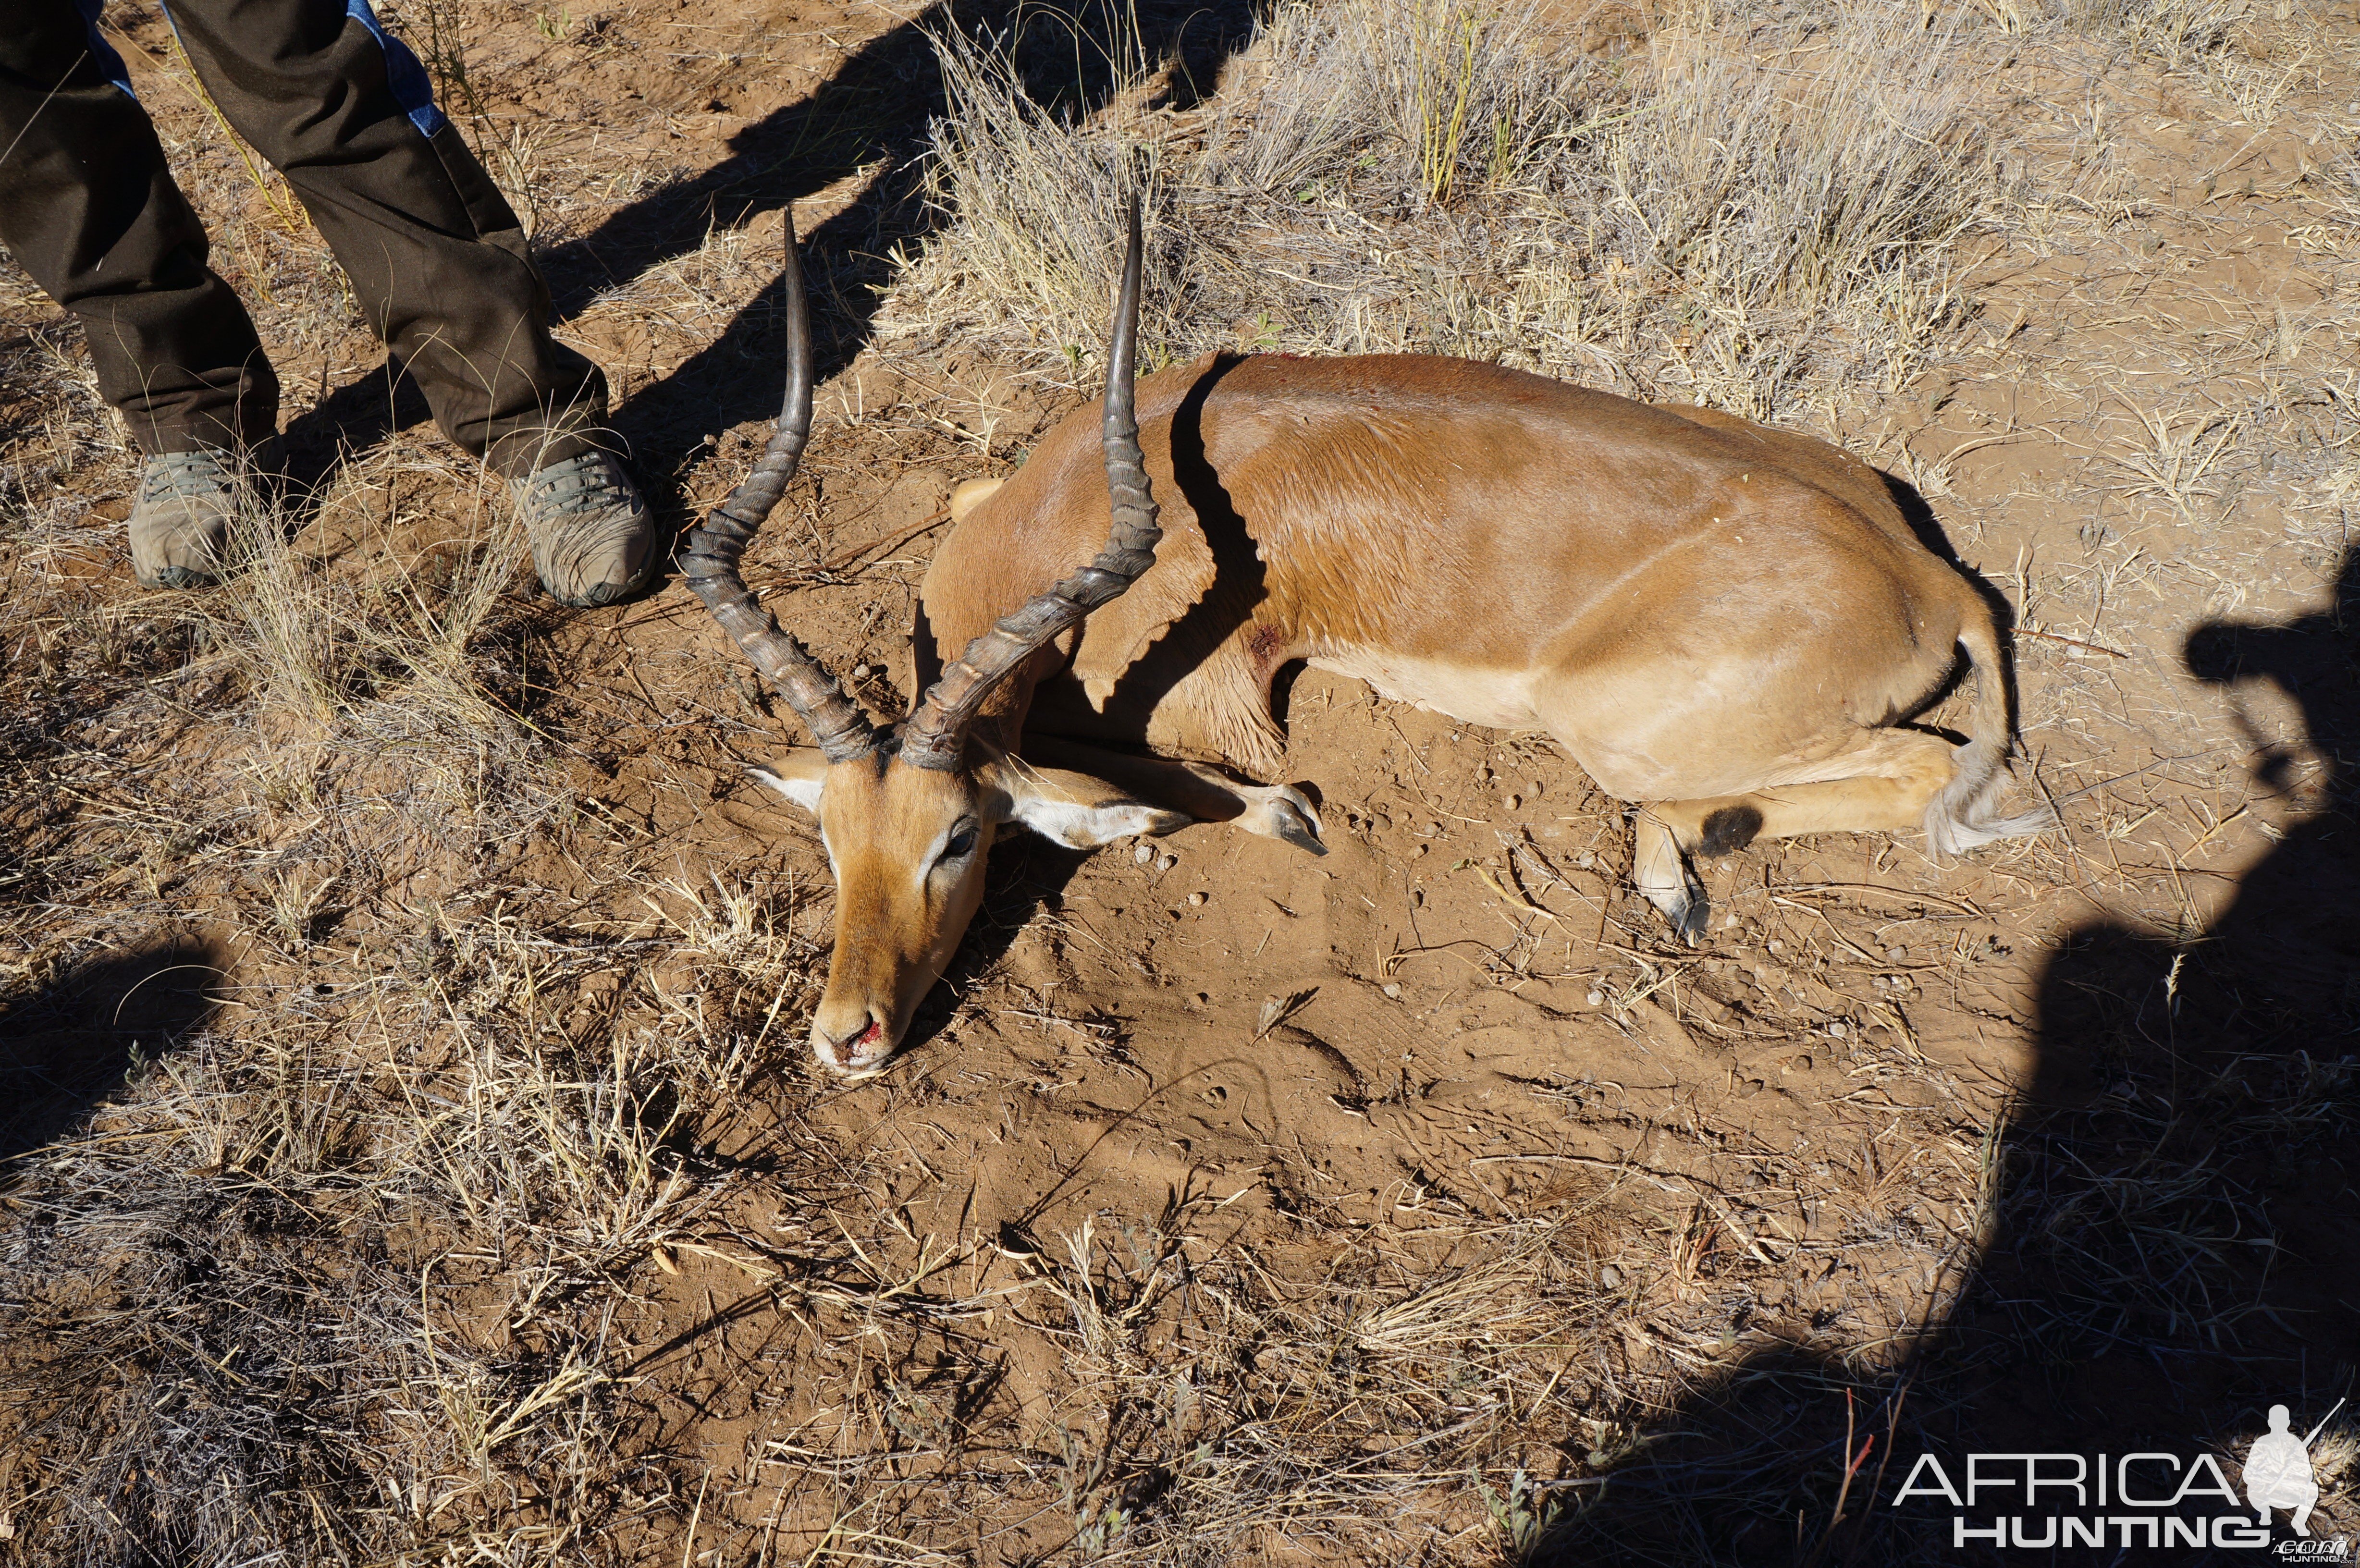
column 800, row 776
column 1073, row 809
column 967, row 496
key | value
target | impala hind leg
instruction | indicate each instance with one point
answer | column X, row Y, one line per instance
column 1885, row 786
column 1271, row 811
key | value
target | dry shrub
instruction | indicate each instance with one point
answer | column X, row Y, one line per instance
column 288, row 1297
column 325, row 648
column 338, row 1278
column 349, row 650
column 1752, row 215
column 2173, row 31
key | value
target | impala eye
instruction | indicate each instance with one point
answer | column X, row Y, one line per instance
column 961, row 844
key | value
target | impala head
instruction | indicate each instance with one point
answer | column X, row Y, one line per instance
column 907, row 812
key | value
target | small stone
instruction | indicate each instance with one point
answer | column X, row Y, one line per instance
column 860, row 673
column 1836, row 1032
column 1611, row 1278
column 1585, row 860
column 1515, row 802
column 1482, row 776
column 1421, row 849
column 1776, row 946
column 1196, row 901
column 1883, row 983
column 1729, row 922
column 1896, row 955
column 1166, row 862
column 1596, row 999
column 1392, row 991
column 1144, row 854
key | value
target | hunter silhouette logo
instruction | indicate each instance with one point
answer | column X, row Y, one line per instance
column 2277, row 1471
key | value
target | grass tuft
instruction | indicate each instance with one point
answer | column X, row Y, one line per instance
column 1696, row 223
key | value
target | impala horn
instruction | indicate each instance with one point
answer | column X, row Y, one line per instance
column 710, row 558
column 935, row 735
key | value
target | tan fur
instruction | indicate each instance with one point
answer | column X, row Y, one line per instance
column 903, row 904
column 1696, row 607
column 1720, row 621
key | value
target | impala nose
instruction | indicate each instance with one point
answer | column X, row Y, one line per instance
column 856, row 1053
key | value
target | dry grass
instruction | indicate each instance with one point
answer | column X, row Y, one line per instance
column 245, row 1302
column 2174, row 31
column 338, row 1301
column 389, row 1253
column 1465, row 1384
column 1764, row 218
column 343, row 1267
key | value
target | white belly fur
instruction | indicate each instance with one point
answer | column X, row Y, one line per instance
column 1501, row 698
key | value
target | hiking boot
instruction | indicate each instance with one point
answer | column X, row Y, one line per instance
column 188, row 500
column 593, row 541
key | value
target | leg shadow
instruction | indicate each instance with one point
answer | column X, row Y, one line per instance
column 878, row 108
column 881, row 105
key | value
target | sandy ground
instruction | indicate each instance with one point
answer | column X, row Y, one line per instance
column 2046, row 1149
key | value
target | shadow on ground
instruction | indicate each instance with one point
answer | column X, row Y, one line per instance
column 874, row 112
column 2178, row 1234
column 69, row 1044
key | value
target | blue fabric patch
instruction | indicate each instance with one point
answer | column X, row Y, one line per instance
column 104, row 52
column 411, row 91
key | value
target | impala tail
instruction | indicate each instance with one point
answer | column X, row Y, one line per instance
column 1960, row 818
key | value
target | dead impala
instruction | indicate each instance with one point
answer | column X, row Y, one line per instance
column 1726, row 623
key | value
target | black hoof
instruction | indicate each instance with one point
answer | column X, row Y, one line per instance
column 1688, row 921
column 1301, row 837
column 1291, row 827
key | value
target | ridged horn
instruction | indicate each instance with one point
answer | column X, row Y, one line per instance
column 709, row 558
column 935, row 735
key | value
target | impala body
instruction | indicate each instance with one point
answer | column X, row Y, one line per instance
column 1723, row 623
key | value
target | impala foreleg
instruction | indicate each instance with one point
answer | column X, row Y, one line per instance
column 1271, row 811
column 1660, row 870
